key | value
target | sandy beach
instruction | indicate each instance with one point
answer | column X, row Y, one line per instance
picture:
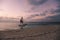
column 36, row 33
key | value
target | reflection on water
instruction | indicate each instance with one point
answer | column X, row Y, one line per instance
column 7, row 25
column 11, row 25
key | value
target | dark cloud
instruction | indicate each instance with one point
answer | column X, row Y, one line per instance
column 51, row 11
column 36, row 5
column 58, row 7
column 32, row 16
column 54, row 18
column 38, row 14
column 37, row 2
column 58, row 0
column 57, row 11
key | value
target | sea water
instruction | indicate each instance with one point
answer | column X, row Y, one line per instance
column 8, row 25
column 15, row 25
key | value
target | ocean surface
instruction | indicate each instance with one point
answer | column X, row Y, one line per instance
column 12, row 26
column 8, row 25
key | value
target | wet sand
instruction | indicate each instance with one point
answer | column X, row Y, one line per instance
column 36, row 33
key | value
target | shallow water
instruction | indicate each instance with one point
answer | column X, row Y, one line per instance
column 7, row 25
column 12, row 26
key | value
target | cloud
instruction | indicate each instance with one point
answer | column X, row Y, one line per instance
column 54, row 18
column 58, row 0
column 44, row 13
column 51, row 15
column 47, row 16
column 35, row 5
column 37, row 2
column 40, row 7
column 58, row 7
column 57, row 11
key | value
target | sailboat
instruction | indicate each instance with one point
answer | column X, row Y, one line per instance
column 22, row 23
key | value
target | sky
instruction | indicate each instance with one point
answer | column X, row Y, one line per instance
column 31, row 10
